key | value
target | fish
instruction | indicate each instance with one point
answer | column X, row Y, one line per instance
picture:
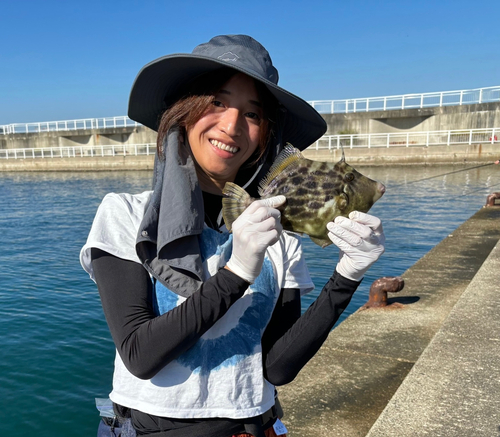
column 317, row 192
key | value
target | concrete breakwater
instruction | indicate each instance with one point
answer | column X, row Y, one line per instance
column 456, row 117
column 458, row 154
column 433, row 155
column 476, row 116
column 361, row 383
column 106, row 163
column 407, row 121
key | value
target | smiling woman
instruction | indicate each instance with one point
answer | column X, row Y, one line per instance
column 207, row 323
column 236, row 110
column 232, row 126
column 227, row 134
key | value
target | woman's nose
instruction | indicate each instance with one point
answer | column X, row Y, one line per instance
column 230, row 123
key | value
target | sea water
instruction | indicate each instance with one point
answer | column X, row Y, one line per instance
column 56, row 351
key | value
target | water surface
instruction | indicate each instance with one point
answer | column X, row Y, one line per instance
column 57, row 355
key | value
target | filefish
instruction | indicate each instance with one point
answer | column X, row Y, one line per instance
column 316, row 193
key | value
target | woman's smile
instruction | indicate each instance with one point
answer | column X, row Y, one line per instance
column 222, row 146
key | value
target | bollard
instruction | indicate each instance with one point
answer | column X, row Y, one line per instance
column 379, row 289
column 491, row 200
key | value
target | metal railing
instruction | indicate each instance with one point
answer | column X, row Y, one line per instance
column 80, row 151
column 68, row 125
column 408, row 101
column 393, row 139
column 409, row 139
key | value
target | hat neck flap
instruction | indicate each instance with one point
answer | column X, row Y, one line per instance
column 167, row 241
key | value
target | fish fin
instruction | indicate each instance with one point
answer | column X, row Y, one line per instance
column 287, row 156
column 343, row 154
column 235, row 202
column 320, row 242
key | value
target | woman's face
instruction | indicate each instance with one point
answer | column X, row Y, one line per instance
column 227, row 134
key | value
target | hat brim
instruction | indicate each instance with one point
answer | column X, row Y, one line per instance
column 163, row 80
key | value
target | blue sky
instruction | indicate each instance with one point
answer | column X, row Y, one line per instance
column 62, row 60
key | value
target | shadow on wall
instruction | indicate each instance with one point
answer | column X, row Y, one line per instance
column 75, row 140
column 396, row 124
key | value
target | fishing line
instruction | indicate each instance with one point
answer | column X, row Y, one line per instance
column 479, row 189
column 440, row 175
column 449, row 199
column 453, row 198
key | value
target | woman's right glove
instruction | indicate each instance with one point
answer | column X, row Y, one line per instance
column 257, row 228
column 360, row 239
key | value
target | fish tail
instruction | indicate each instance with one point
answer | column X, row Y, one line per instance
column 235, row 202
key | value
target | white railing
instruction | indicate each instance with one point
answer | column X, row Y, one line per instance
column 393, row 139
column 408, row 101
column 80, row 151
column 67, row 125
column 409, row 139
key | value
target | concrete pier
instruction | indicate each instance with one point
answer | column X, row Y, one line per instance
column 428, row 368
column 457, row 154
column 106, row 163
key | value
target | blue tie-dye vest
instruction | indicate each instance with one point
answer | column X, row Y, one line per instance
column 238, row 333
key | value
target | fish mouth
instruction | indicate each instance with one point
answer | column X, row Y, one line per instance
column 223, row 146
column 379, row 191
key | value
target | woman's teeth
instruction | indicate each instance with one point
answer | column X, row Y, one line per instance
column 223, row 146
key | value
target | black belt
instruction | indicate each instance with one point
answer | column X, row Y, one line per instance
column 253, row 425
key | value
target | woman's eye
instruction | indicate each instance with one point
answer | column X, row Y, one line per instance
column 253, row 116
column 217, row 103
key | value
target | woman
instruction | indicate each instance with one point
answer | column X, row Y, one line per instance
column 207, row 323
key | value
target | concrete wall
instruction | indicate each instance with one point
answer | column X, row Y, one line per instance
column 452, row 154
column 485, row 115
column 90, row 137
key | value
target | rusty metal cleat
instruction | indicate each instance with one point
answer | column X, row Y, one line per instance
column 493, row 199
column 379, row 289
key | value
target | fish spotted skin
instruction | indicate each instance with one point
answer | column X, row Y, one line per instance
column 316, row 193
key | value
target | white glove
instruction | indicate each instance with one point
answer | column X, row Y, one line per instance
column 360, row 239
column 257, row 228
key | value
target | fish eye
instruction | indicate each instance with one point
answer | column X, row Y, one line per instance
column 349, row 177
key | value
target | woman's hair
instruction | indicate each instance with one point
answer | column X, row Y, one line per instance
column 188, row 109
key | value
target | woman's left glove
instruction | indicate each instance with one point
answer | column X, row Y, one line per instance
column 360, row 239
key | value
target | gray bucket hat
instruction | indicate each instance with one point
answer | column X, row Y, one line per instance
column 158, row 83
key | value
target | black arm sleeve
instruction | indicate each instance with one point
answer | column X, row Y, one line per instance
column 147, row 342
column 291, row 340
